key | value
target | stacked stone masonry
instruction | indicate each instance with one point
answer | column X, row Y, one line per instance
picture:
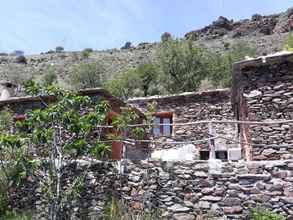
column 266, row 94
column 177, row 189
column 192, row 107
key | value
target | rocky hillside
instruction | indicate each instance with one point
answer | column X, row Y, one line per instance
column 266, row 33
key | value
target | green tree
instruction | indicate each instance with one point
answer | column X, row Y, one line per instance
column 183, row 65
column 86, row 52
column 220, row 65
column 87, row 75
column 68, row 129
column 60, row 132
column 141, row 81
column 49, row 77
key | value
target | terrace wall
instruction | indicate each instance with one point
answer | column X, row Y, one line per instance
column 222, row 190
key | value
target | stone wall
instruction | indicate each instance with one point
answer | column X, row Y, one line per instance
column 191, row 107
column 176, row 189
column 265, row 93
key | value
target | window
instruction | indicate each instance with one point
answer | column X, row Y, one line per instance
column 204, row 155
column 222, row 155
column 163, row 118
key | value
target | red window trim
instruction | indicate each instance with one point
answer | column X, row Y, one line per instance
column 162, row 116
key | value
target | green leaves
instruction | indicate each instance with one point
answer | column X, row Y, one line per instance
column 87, row 75
column 288, row 44
column 32, row 88
column 141, row 81
column 10, row 141
column 183, row 65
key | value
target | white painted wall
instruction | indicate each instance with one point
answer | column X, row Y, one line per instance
column 186, row 152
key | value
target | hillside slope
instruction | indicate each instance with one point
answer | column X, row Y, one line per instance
column 266, row 33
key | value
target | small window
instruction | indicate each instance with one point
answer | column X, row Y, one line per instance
column 163, row 118
column 222, row 155
column 204, row 155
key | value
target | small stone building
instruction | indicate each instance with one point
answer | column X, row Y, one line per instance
column 185, row 108
column 263, row 91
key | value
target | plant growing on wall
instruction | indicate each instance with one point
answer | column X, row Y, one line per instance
column 264, row 214
column 16, row 165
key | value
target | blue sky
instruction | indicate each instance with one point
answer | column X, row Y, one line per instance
column 36, row 26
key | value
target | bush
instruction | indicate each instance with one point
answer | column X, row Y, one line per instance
column 288, row 44
column 127, row 45
column 87, row 75
column 59, row 49
column 263, row 214
column 49, row 77
column 86, row 52
column 141, row 81
column 21, row 60
column 166, row 36
column 15, row 216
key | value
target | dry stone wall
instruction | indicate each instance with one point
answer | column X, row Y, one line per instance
column 267, row 95
column 183, row 190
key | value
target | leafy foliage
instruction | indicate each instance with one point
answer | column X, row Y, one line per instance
column 142, row 81
column 87, row 75
column 183, row 65
column 86, row 52
column 5, row 120
column 263, row 214
column 14, row 216
column 49, row 77
column 288, row 44
column 68, row 129
column 220, row 65
column 166, row 36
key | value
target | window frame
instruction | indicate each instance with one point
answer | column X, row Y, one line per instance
column 162, row 116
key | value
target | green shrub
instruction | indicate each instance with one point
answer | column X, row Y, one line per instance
column 86, row 52
column 141, row 81
column 288, row 44
column 264, row 214
column 87, row 75
column 49, row 77
column 15, row 216
column 165, row 37
column 220, row 65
